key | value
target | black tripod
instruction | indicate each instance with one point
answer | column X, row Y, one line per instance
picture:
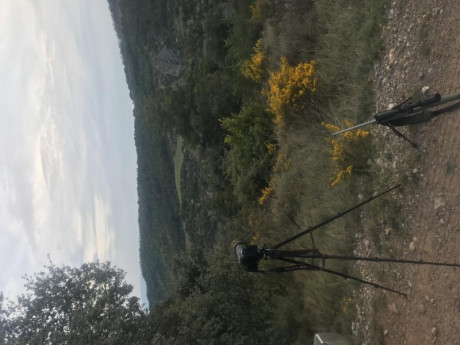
column 250, row 255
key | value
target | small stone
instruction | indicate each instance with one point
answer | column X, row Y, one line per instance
column 391, row 106
column 387, row 231
column 385, row 333
column 425, row 90
column 367, row 242
column 439, row 203
column 360, row 196
column 415, row 171
column 412, row 246
column 410, row 284
column 394, row 165
column 392, row 308
column 414, row 239
column 391, row 56
column 434, row 331
column 421, row 308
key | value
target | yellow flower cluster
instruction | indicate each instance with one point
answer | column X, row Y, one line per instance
column 253, row 68
column 342, row 146
column 266, row 192
column 341, row 175
column 271, row 148
column 289, row 85
column 281, row 163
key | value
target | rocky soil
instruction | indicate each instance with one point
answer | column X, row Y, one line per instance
column 421, row 48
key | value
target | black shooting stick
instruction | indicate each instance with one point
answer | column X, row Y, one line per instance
column 285, row 255
column 338, row 215
column 299, row 265
column 315, row 254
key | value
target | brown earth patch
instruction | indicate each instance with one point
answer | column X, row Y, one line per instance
column 421, row 48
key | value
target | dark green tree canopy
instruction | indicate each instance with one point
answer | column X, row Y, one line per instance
column 65, row 305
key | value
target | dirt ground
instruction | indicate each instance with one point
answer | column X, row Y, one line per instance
column 421, row 48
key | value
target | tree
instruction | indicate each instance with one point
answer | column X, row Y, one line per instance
column 64, row 305
column 214, row 302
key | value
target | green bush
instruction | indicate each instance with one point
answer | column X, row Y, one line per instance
column 248, row 162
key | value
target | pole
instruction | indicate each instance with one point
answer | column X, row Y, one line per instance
column 304, row 266
column 314, row 254
column 376, row 259
column 338, row 215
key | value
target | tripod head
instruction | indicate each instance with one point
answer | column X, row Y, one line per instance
column 247, row 255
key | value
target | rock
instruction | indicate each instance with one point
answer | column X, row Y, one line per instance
column 387, row 231
column 434, row 331
column 380, row 162
column 412, row 246
column 392, row 308
column 421, row 308
column 367, row 242
column 439, row 203
column 410, row 284
column 391, row 106
column 393, row 165
column 425, row 90
column 385, row 333
column 391, row 56
column 415, row 171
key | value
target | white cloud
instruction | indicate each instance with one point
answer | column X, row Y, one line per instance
column 68, row 185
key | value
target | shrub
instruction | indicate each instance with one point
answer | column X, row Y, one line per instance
column 347, row 150
column 290, row 88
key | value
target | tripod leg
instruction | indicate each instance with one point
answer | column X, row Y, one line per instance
column 299, row 265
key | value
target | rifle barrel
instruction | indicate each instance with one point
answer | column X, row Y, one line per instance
column 371, row 122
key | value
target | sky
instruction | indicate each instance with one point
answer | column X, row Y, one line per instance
column 67, row 155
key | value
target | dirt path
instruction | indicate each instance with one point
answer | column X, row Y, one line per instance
column 422, row 48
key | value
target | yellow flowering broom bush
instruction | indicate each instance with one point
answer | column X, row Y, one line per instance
column 347, row 151
column 253, row 68
column 290, row 87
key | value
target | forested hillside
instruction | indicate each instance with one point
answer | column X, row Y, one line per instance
column 182, row 61
column 142, row 28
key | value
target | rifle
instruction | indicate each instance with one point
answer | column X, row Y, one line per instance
column 410, row 112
